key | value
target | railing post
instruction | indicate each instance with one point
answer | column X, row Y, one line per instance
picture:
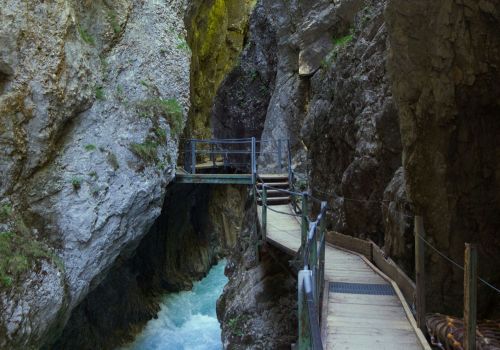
column 290, row 173
column 420, row 271
column 305, row 220
column 279, row 152
column 193, row 157
column 253, row 162
column 264, row 211
column 322, row 245
column 212, row 148
column 303, row 316
column 470, row 296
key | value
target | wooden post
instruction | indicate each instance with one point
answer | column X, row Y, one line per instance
column 193, row 157
column 470, row 296
column 305, row 219
column 264, row 211
column 420, row 271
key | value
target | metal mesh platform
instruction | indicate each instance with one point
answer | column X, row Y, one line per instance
column 361, row 288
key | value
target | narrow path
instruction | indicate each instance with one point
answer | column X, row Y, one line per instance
column 363, row 311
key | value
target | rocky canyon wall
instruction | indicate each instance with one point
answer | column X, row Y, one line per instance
column 444, row 66
column 93, row 97
column 199, row 225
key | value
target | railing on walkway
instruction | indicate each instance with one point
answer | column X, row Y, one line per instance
column 237, row 154
column 311, row 279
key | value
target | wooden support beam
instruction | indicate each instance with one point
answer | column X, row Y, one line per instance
column 420, row 271
column 470, row 296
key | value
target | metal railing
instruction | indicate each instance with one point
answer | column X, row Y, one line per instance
column 311, row 278
column 237, row 154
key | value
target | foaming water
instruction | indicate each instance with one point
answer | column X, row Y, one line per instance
column 187, row 320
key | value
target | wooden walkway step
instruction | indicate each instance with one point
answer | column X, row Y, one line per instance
column 363, row 310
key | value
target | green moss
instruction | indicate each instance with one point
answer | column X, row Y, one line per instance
column 90, row 147
column 84, row 34
column 343, row 41
column 147, row 151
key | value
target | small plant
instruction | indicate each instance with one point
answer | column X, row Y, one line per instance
column 161, row 135
column 234, row 325
column 99, row 93
column 93, row 174
column 5, row 211
column 162, row 165
column 113, row 22
column 147, row 151
column 76, row 182
column 90, row 147
column 144, row 83
column 84, row 34
column 338, row 45
column 119, row 90
column 183, row 45
column 95, row 190
column 167, row 108
column 113, row 161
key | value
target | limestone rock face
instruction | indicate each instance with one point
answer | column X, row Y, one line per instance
column 92, row 98
column 352, row 130
column 241, row 102
column 443, row 62
column 216, row 34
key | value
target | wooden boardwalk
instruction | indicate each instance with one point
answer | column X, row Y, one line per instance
column 362, row 310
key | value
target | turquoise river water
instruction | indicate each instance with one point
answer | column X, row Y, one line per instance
column 187, row 320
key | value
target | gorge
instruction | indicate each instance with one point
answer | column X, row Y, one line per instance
column 391, row 109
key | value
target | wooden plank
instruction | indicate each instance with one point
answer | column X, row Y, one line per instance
column 470, row 296
column 363, row 299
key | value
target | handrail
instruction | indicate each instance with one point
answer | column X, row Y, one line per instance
column 311, row 278
column 237, row 154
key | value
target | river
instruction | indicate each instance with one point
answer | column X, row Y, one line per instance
column 187, row 320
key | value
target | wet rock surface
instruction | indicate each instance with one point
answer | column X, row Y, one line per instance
column 257, row 308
